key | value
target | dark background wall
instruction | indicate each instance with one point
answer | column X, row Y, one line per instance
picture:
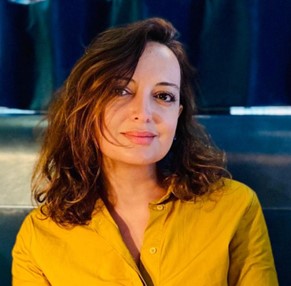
column 241, row 48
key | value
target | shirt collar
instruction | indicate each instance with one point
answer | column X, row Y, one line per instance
column 169, row 193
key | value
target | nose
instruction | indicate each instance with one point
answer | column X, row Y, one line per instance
column 142, row 108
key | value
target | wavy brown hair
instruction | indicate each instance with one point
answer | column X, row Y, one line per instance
column 68, row 177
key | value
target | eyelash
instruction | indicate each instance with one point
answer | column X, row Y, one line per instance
column 121, row 91
column 165, row 94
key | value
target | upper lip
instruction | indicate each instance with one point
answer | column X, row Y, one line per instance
column 137, row 133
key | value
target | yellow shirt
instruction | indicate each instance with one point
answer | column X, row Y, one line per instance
column 221, row 240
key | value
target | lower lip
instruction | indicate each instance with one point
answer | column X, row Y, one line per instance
column 140, row 140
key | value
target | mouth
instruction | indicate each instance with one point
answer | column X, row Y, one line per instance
column 140, row 137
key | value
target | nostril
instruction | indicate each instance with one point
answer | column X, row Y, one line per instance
column 143, row 118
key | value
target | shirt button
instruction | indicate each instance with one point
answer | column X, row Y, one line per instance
column 160, row 207
column 153, row 250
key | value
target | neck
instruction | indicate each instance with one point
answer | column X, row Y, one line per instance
column 132, row 186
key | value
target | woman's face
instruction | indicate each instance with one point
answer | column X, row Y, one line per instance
column 140, row 123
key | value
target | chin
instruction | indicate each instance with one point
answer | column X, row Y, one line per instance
column 143, row 160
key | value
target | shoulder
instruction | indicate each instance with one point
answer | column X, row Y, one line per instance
column 36, row 223
column 236, row 190
column 226, row 196
column 234, row 195
column 34, row 216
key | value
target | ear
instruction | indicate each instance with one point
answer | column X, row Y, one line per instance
column 180, row 109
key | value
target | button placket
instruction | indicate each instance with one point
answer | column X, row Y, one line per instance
column 151, row 249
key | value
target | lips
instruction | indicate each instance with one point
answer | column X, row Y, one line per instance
column 140, row 137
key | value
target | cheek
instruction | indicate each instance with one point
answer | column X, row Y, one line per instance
column 114, row 115
column 109, row 138
column 171, row 120
column 170, row 129
column 111, row 122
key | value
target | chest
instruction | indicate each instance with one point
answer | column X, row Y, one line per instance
column 132, row 227
column 171, row 247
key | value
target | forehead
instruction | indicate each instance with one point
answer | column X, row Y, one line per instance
column 160, row 62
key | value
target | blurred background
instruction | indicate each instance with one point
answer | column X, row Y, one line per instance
column 241, row 48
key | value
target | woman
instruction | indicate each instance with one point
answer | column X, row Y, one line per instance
column 131, row 190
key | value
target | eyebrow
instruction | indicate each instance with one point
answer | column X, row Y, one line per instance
column 127, row 79
column 165, row 83
column 162, row 83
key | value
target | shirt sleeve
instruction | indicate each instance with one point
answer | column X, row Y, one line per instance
column 24, row 269
column 251, row 258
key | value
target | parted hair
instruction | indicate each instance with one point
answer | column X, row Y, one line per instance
column 68, row 177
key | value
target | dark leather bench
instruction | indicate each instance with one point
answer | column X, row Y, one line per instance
column 259, row 152
column 10, row 221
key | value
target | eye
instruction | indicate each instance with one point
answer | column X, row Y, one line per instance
column 165, row 96
column 121, row 91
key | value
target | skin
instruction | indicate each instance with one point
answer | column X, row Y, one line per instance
column 140, row 125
